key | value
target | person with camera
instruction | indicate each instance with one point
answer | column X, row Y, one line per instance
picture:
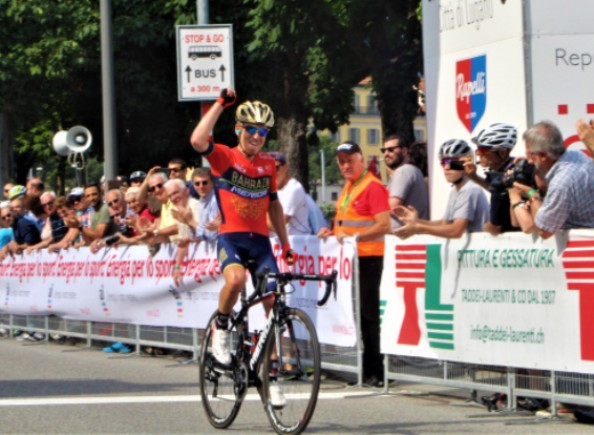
column 494, row 145
column 467, row 208
column 562, row 196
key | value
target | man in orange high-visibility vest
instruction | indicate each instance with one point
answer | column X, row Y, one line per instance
column 363, row 210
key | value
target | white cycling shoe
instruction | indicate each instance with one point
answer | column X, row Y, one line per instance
column 220, row 346
column 277, row 398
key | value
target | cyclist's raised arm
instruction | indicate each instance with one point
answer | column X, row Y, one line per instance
column 201, row 133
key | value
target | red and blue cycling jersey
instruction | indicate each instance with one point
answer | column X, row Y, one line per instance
column 244, row 188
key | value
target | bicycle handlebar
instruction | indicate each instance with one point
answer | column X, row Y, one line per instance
column 284, row 278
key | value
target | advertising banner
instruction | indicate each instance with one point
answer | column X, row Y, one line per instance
column 127, row 285
column 509, row 300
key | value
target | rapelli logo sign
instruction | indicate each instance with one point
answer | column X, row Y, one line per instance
column 419, row 267
column 578, row 262
column 471, row 90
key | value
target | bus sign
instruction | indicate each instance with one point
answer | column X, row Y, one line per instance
column 204, row 61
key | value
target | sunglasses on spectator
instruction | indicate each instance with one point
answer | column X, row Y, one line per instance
column 115, row 201
column 47, row 203
column 6, row 217
column 156, row 186
column 201, row 183
column 6, row 190
column 176, row 169
column 253, row 129
column 389, row 149
column 483, row 150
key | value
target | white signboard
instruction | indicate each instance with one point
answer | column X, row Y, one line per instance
column 492, row 61
column 204, row 61
column 509, row 300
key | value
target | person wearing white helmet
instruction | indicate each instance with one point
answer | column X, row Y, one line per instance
column 247, row 191
column 467, row 208
column 494, row 146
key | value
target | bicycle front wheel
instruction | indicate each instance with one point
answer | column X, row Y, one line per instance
column 220, row 387
column 291, row 373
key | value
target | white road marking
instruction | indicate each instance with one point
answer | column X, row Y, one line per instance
column 108, row 400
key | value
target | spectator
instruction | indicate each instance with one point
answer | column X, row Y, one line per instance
column 140, row 217
column 54, row 228
column 99, row 215
column 165, row 226
column 209, row 219
column 35, row 187
column 185, row 209
column 292, row 197
column 178, row 168
column 363, row 210
column 137, row 178
column 25, row 231
column 467, row 207
column 7, row 187
column 494, row 145
column 566, row 176
column 118, row 222
column 65, row 211
column 6, row 231
column 407, row 185
column 34, row 211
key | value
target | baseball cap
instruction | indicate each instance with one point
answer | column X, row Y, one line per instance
column 348, row 147
column 137, row 175
column 279, row 157
column 76, row 191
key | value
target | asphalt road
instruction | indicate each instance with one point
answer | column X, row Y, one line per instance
column 59, row 389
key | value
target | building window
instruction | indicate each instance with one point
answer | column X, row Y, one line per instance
column 357, row 103
column 355, row 135
column 334, row 196
column 372, row 105
column 372, row 136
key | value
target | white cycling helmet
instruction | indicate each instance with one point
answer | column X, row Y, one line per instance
column 497, row 135
column 454, row 149
column 255, row 112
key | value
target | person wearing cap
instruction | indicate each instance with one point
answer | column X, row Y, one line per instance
column 293, row 198
column 494, row 145
column 246, row 190
column 136, row 178
column 467, row 208
column 363, row 210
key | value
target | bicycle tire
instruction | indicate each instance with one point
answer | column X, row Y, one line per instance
column 298, row 375
column 221, row 399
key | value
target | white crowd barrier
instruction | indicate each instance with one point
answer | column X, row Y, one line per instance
column 127, row 285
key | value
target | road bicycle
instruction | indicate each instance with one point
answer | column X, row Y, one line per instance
column 285, row 354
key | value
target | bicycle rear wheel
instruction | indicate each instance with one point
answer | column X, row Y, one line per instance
column 293, row 352
column 220, row 388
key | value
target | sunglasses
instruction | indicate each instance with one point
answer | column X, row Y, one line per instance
column 6, row 217
column 483, row 150
column 175, row 169
column 156, row 186
column 456, row 165
column 201, row 183
column 389, row 149
column 47, row 204
column 115, row 201
column 252, row 130
column 6, row 190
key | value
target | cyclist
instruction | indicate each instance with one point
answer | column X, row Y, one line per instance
column 246, row 190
